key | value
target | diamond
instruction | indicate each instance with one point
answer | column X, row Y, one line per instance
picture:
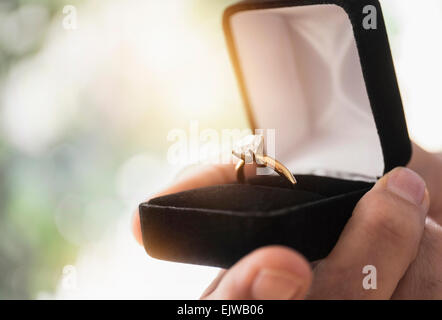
column 249, row 146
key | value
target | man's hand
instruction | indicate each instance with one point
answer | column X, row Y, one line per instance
column 385, row 231
column 389, row 230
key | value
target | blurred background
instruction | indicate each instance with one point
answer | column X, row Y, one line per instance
column 84, row 120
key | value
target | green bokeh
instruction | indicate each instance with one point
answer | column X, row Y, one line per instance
column 82, row 163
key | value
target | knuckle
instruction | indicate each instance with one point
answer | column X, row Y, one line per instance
column 432, row 245
column 389, row 218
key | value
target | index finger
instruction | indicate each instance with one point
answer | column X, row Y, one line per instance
column 208, row 176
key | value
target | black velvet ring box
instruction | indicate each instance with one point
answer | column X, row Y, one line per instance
column 319, row 72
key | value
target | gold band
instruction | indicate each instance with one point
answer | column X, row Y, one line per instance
column 264, row 161
column 252, row 147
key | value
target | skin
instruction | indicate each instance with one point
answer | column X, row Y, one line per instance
column 394, row 228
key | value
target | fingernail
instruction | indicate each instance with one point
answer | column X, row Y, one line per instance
column 275, row 285
column 408, row 185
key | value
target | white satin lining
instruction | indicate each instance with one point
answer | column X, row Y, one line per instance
column 304, row 79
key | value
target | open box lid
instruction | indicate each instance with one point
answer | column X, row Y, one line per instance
column 314, row 72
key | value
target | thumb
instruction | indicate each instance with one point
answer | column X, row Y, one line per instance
column 270, row 273
column 385, row 232
column 429, row 166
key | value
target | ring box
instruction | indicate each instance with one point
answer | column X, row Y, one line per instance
column 320, row 73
